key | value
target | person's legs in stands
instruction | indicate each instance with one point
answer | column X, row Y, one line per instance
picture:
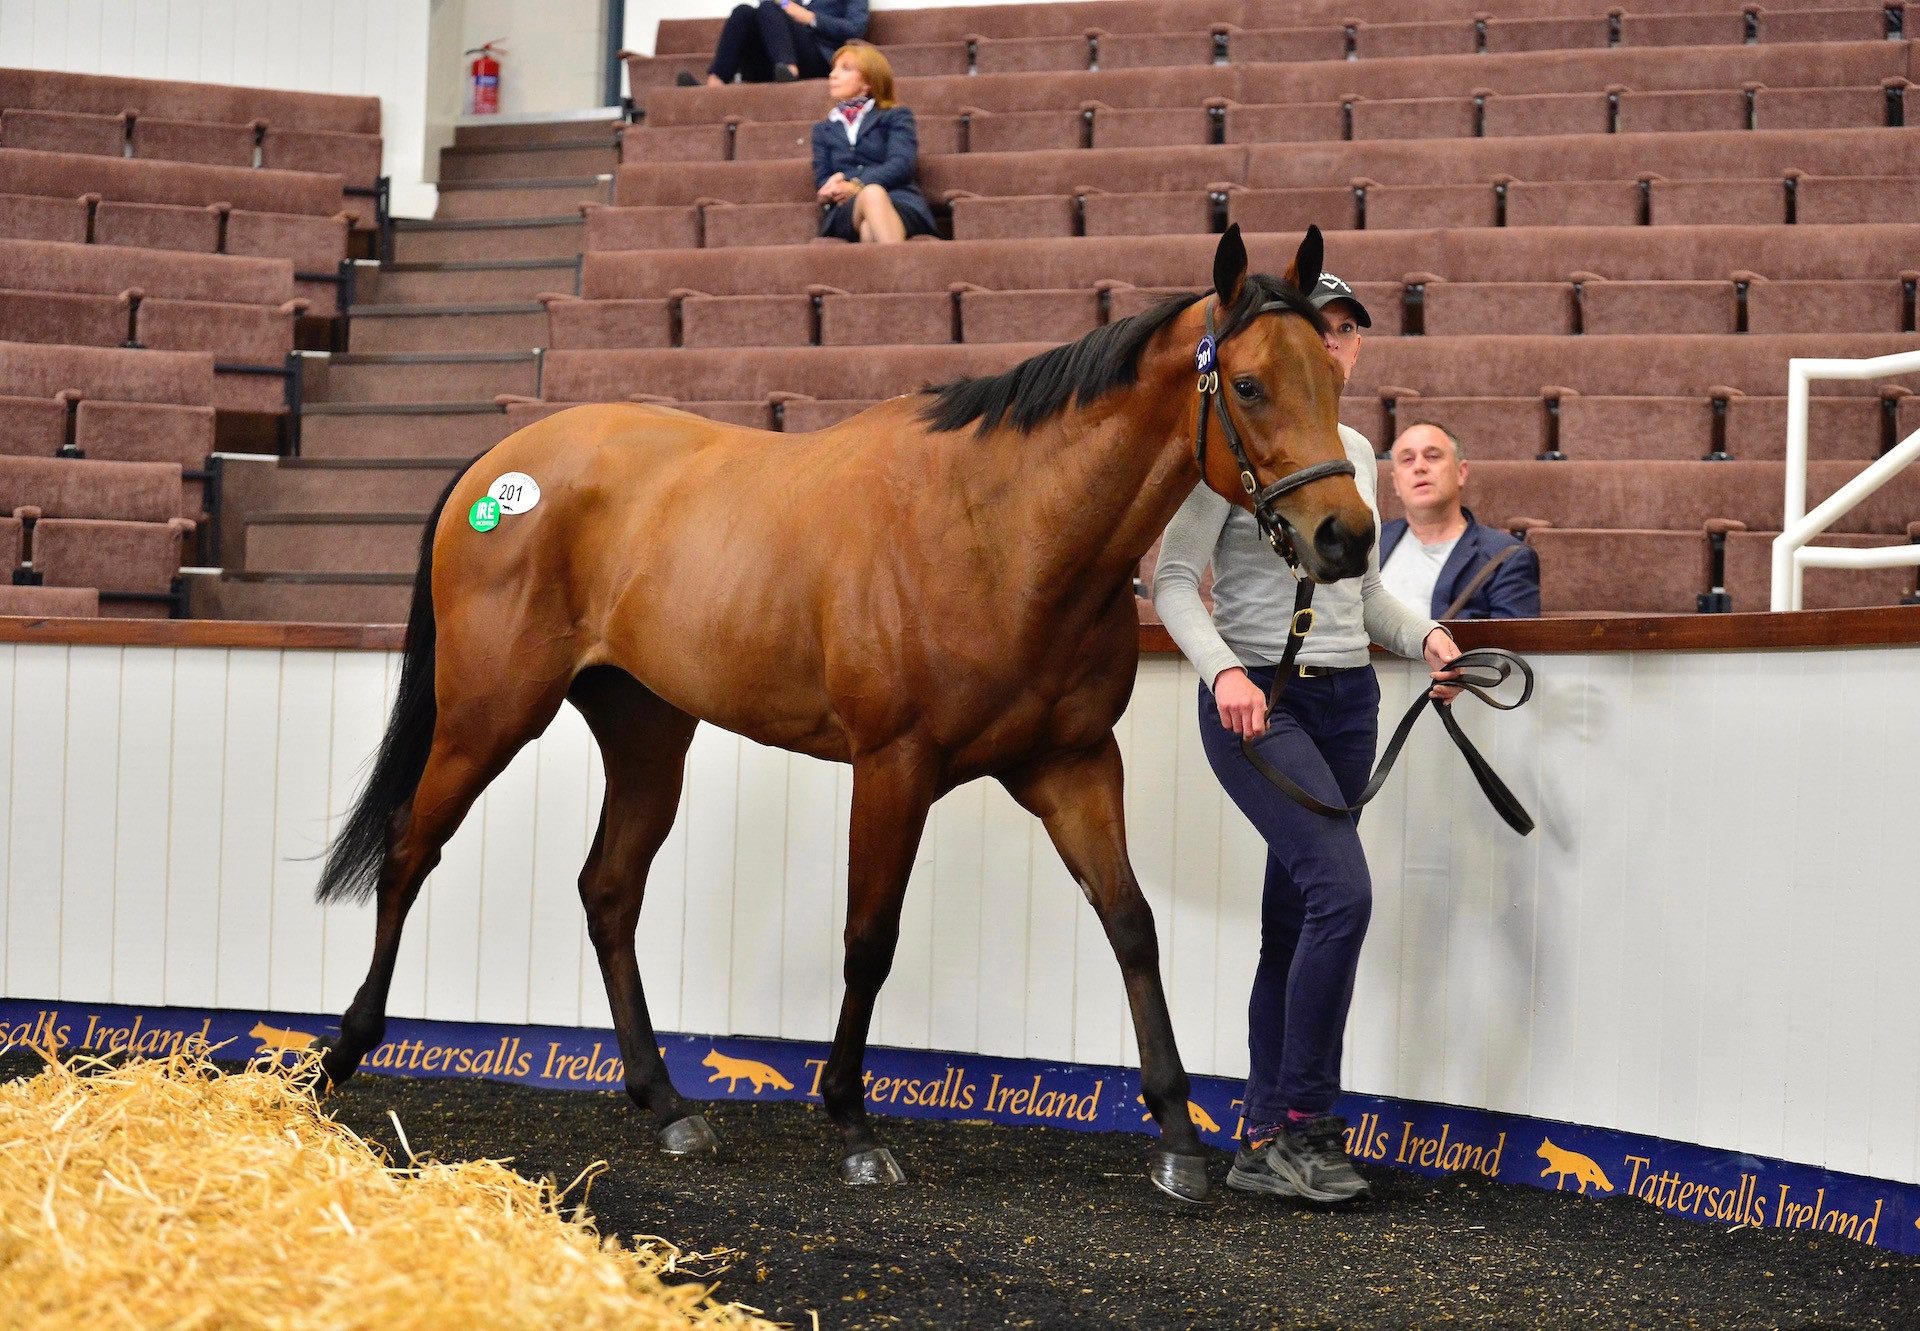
column 875, row 216
column 741, row 49
column 782, row 38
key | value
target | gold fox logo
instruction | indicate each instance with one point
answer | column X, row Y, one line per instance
column 736, row 1070
column 1201, row 1118
column 274, row 1040
column 1571, row 1164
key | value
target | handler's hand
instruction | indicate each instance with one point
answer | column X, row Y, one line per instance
column 1243, row 707
column 1440, row 650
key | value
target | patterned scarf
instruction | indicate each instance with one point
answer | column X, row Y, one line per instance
column 848, row 112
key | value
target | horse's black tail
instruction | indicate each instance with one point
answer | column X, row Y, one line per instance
column 359, row 850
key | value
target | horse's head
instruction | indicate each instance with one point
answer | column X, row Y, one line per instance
column 1273, row 412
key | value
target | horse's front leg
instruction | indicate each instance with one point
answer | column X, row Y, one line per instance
column 892, row 792
column 1078, row 795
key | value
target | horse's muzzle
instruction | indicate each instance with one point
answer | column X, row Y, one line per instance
column 1339, row 551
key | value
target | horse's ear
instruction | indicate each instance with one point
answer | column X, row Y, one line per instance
column 1229, row 266
column 1304, row 273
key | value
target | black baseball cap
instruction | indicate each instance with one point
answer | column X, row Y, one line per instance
column 1331, row 289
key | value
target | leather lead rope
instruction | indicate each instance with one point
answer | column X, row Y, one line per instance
column 1482, row 670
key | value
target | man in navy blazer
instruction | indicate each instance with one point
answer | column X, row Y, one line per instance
column 779, row 40
column 1453, row 567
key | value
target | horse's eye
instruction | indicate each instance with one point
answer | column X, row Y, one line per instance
column 1248, row 389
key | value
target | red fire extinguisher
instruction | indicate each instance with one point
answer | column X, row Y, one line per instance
column 483, row 79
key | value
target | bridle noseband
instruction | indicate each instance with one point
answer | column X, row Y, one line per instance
column 1207, row 361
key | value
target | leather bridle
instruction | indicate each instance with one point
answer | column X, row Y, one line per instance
column 1481, row 671
column 1207, row 362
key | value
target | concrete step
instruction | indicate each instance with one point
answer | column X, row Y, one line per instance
column 251, row 486
column 301, row 598
column 505, row 326
column 454, row 431
column 518, row 134
column 588, row 155
column 464, row 240
column 457, row 376
column 520, row 198
column 334, row 542
column 487, row 280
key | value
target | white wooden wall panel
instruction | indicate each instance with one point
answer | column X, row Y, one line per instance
column 344, row 46
column 1707, row 939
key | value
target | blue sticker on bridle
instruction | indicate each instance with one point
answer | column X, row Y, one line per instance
column 1204, row 359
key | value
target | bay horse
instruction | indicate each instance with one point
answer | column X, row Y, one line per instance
column 936, row 590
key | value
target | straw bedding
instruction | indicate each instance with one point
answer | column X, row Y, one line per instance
column 168, row 1193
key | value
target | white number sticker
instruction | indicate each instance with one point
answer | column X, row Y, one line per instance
column 516, row 491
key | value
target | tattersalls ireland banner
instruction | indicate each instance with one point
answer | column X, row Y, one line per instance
column 1695, row 1182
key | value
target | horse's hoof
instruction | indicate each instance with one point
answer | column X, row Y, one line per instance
column 1181, row 1177
column 875, row 1166
column 689, row 1136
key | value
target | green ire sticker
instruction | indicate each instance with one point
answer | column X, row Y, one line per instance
column 484, row 515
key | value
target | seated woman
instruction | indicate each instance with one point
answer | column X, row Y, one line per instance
column 865, row 153
column 781, row 40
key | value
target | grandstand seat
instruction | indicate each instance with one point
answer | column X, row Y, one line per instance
column 29, row 370
column 1150, row 127
column 1573, row 203
column 1415, row 118
column 670, row 228
column 1526, row 114
column 898, row 317
column 751, row 141
column 1316, row 42
column 151, row 432
column 315, row 246
column 65, row 317
column 1838, row 428
column 1296, row 122
column 1675, row 306
column 1029, row 55
column 158, row 226
column 1025, row 131
column 1749, row 574
column 1717, row 29
column 805, row 415
column 1334, row 208
column 1138, row 50
column 608, row 323
column 133, row 180
column 1027, row 316
column 1394, row 207
column 1625, row 428
column 46, row 89
column 1715, row 202
column 1864, row 23
column 1018, row 218
column 1453, row 308
column 1853, row 199
column 746, row 321
column 1506, row 35
column 64, row 131
column 731, row 224
column 1619, row 571
column 38, row 488
column 355, row 157
column 1454, row 36
column 131, row 564
column 210, row 143
column 1179, row 212
column 1832, row 305
column 33, row 426
column 49, row 602
column 1822, row 108
column 1683, row 112
column 231, row 332
column 37, row 217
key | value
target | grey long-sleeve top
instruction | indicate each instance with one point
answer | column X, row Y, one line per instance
column 1253, row 589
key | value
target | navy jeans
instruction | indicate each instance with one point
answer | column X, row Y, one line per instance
column 1318, row 895
column 755, row 38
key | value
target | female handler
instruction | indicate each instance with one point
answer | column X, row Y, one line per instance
column 1318, row 895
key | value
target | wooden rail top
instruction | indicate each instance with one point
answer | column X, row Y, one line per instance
column 1877, row 627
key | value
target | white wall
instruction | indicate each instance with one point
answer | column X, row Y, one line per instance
column 1708, row 939
column 376, row 47
column 556, row 51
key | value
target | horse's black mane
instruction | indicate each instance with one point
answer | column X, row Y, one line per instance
column 1082, row 372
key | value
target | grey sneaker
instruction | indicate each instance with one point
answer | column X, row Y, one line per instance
column 1308, row 1161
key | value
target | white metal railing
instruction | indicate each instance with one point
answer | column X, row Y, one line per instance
column 1792, row 555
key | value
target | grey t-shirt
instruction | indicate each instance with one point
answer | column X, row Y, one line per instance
column 1253, row 589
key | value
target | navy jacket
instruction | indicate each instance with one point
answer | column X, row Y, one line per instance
column 1512, row 592
column 836, row 22
column 886, row 153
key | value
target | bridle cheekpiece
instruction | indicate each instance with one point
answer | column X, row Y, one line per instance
column 1206, row 362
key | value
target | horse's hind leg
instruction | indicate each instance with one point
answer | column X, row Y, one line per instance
column 643, row 742
column 891, row 795
column 468, row 752
column 1079, row 798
